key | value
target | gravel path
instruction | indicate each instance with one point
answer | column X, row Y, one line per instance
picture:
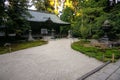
column 54, row 61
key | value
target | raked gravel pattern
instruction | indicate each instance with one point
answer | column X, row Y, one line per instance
column 53, row 61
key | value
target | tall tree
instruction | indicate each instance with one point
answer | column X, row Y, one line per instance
column 16, row 14
column 13, row 15
column 90, row 17
column 114, row 18
column 67, row 14
column 1, row 11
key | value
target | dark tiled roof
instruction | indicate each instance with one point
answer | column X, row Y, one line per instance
column 43, row 17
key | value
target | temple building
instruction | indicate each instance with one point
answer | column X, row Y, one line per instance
column 45, row 23
column 41, row 24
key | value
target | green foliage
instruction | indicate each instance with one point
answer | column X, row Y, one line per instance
column 96, row 52
column 40, row 5
column 102, row 3
column 114, row 17
column 91, row 18
column 2, row 12
column 43, row 5
column 18, row 14
column 76, row 31
column 67, row 14
column 67, row 17
column 15, row 14
column 75, row 26
column 95, row 36
column 84, row 32
column 64, row 30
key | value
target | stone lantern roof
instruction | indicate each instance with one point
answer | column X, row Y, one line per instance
column 106, row 23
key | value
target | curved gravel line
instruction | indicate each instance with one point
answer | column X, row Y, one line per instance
column 54, row 61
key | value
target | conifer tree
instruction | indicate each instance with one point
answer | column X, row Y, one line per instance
column 14, row 15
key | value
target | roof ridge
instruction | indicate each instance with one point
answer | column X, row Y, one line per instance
column 41, row 12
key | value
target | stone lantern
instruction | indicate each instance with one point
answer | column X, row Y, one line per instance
column 106, row 28
column 30, row 38
column 69, row 34
column 52, row 33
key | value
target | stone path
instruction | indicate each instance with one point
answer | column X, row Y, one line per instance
column 54, row 61
column 109, row 72
column 116, row 74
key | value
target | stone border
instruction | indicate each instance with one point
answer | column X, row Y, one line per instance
column 93, row 71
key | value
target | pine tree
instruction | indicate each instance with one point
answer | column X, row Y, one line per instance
column 2, row 11
column 15, row 14
column 18, row 13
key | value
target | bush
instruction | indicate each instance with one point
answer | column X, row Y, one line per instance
column 95, row 36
